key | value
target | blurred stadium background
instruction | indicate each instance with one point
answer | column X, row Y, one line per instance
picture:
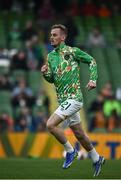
column 26, row 100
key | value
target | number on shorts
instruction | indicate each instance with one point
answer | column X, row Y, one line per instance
column 65, row 105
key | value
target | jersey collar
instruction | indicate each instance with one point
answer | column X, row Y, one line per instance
column 61, row 46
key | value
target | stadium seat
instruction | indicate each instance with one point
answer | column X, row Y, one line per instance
column 105, row 21
column 19, row 74
column 109, row 34
column 80, row 38
column 5, row 97
column 5, row 102
column 20, row 18
column 116, row 130
column 114, row 64
column 2, row 30
column 3, row 70
column 99, row 130
column 89, row 96
column 89, row 23
column 37, row 109
column 6, row 109
column 34, row 80
column 103, row 73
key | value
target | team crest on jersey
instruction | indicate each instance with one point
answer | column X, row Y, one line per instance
column 67, row 56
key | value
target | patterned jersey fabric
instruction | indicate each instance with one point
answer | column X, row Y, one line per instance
column 63, row 70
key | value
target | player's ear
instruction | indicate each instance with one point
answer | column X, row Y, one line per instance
column 63, row 37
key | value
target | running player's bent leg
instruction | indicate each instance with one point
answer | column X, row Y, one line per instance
column 82, row 137
column 98, row 161
column 65, row 110
column 85, row 142
column 52, row 124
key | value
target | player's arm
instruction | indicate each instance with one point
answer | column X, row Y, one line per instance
column 47, row 71
column 86, row 58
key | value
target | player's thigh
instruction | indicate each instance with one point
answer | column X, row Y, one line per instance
column 54, row 120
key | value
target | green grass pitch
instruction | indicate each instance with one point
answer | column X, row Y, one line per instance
column 23, row 168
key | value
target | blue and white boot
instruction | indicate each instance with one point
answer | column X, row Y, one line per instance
column 98, row 166
column 70, row 156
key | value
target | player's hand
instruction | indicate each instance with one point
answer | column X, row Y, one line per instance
column 44, row 68
column 91, row 85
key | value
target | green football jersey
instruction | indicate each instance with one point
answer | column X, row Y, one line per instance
column 64, row 71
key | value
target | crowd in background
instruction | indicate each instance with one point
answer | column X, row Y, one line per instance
column 26, row 49
column 105, row 111
column 49, row 8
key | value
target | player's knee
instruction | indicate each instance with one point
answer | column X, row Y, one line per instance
column 50, row 126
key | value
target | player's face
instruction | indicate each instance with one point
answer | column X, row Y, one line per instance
column 56, row 37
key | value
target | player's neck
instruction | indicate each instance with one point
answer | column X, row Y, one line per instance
column 60, row 46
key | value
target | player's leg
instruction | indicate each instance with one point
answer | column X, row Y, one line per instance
column 65, row 110
column 52, row 124
column 80, row 134
column 82, row 137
